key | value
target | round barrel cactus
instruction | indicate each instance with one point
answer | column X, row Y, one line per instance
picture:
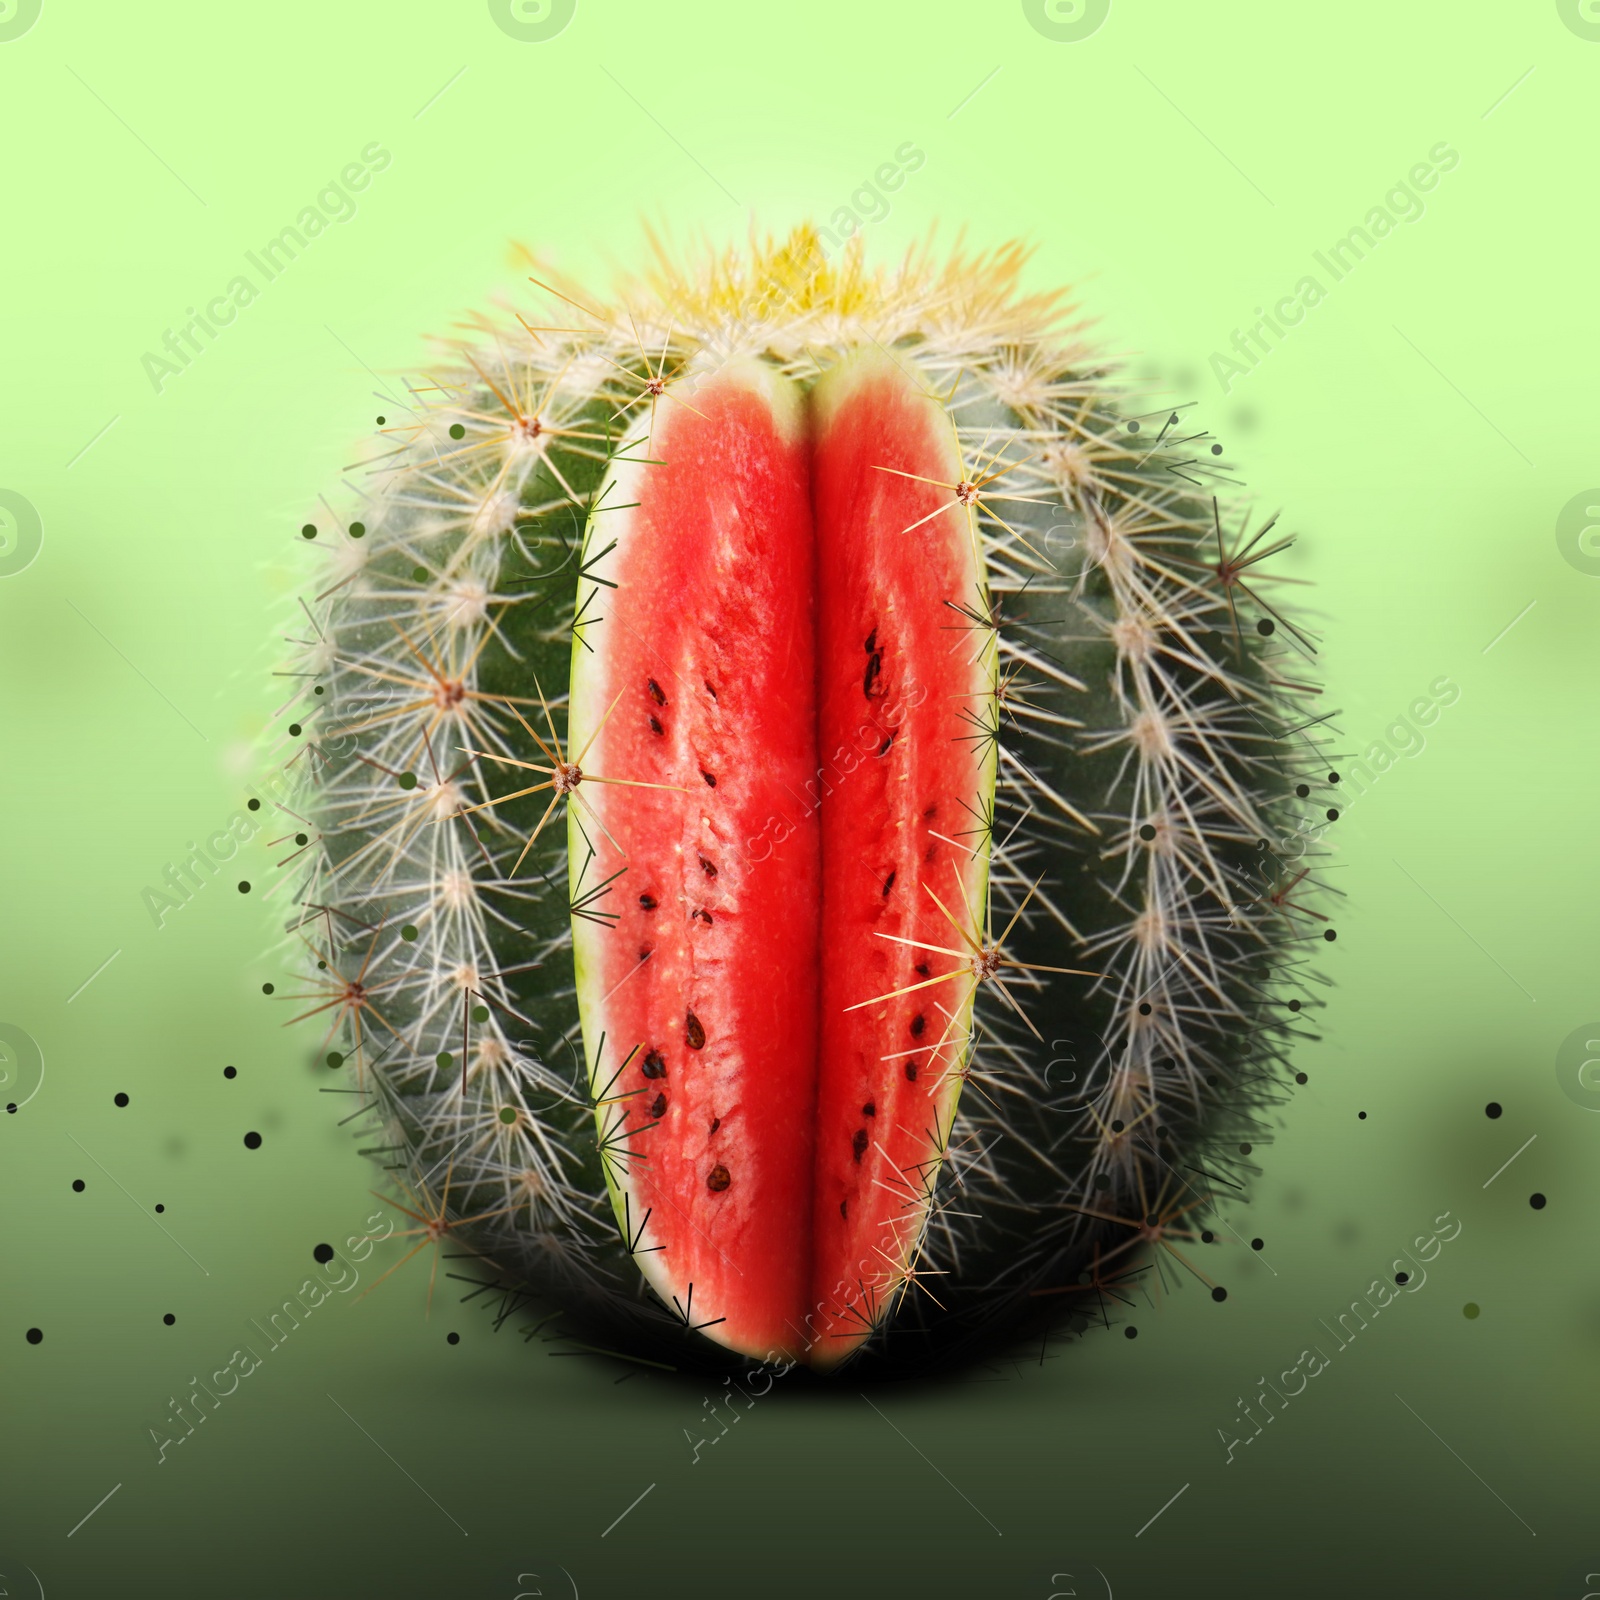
column 813, row 788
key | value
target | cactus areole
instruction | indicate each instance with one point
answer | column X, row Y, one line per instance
column 794, row 878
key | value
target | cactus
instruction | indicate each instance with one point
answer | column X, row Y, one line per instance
column 1136, row 724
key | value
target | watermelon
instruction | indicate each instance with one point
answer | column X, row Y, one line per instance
column 817, row 825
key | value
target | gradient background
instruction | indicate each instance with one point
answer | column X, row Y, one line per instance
column 1424, row 429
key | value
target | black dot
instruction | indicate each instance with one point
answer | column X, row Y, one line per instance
column 119, row 1099
column 230, row 1072
column 334, row 1059
column 35, row 1335
column 1147, row 833
column 318, row 689
column 1300, row 1077
column 452, row 1338
column 252, row 1141
column 1130, row 1333
column 1493, row 1109
column 266, row 988
column 11, row 1108
column 169, row 1319
column 419, row 574
column 300, row 838
column 1362, row 1115
column 409, row 934
column 161, row 1208
column 1302, row 789
column 1258, row 1244
column 77, row 1186
column 407, row 780
column 1206, row 1236
column 1244, row 1149
column 323, row 1253
column 1144, row 1008
column 244, row 886
column 1402, row 1278
column 1216, row 449
column 357, row 530
column 1294, row 1005
column 1333, row 777
column 1219, row 1294
column 1266, row 626
column 380, row 421
column 1117, row 1125
column 1537, row 1201
column 252, row 805
column 294, row 730
column 1329, row 935
column 457, row 431
column 309, row 531
column 1133, row 427
column 1333, row 813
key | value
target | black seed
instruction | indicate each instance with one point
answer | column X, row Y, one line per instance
column 655, row 691
column 710, row 691
column 717, row 1179
column 716, row 1122
column 654, row 1066
column 872, row 643
column 869, row 1110
column 655, row 726
column 648, row 901
column 693, row 1033
column 703, row 914
column 918, row 1023
column 883, row 749
column 888, row 884
column 644, row 954
column 658, row 1106
column 858, row 1143
column 707, row 776
column 707, row 868
column 844, row 1208
column 874, row 667
column 911, row 1072
column 921, row 969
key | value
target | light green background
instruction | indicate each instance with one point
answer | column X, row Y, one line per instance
column 1422, row 429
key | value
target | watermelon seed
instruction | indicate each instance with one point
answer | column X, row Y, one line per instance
column 918, row 1023
column 883, row 749
column 655, row 727
column 707, row 868
column 693, row 1032
column 874, row 667
column 844, row 1209
column 648, row 901
column 858, row 1143
column 655, row 692
column 644, row 954
column 911, row 1072
column 707, row 776
column 654, row 1066
column 710, row 691
column 658, row 1106
column 869, row 1110
column 888, row 884
column 702, row 913
column 717, row 1179
column 921, row 969
column 716, row 1122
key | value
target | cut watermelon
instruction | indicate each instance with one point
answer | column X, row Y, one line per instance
column 774, row 695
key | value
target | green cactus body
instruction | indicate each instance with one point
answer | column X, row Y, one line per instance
column 915, row 931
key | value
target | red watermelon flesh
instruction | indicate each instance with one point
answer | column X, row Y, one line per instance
column 767, row 709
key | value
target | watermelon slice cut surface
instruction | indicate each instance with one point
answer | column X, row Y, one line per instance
column 778, row 791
